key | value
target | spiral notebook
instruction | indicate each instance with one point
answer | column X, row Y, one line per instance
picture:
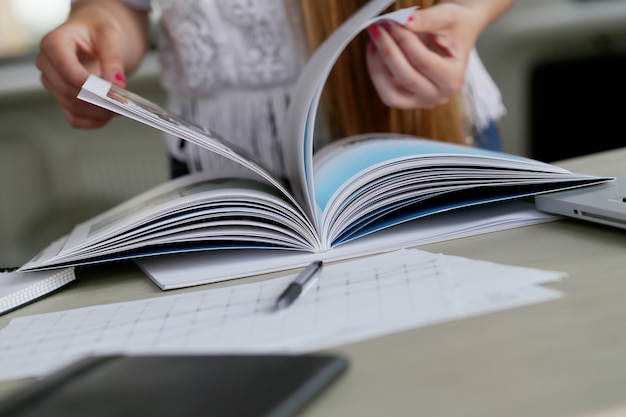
column 18, row 289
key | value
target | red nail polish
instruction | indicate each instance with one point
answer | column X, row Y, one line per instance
column 120, row 77
column 372, row 47
column 410, row 19
column 386, row 25
column 373, row 31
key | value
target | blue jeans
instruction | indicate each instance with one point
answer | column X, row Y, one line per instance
column 489, row 137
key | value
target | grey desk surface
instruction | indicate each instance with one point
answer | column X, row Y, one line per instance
column 560, row 358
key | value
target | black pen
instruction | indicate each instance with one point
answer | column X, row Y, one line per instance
column 294, row 289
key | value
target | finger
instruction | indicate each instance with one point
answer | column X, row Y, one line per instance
column 447, row 73
column 54, row 81
column 61, row 51
column 448, row 25
column 84, row 122
column 109, row 52
column 62, row 91
column 431, row 20
column 391, row 93
column 78, row 113
column 400, row 69
column 84, row 115
column 81, row 109
column 65, row 61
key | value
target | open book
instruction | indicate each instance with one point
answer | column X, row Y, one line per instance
column 350, row 190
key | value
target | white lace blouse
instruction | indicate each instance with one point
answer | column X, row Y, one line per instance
column 229, row 65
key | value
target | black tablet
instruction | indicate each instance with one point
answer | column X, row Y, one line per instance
column 178, row 386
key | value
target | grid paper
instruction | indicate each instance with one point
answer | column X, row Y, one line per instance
column 349, row 301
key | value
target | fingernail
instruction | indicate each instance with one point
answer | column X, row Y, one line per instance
column 120, row 77
column 386, row 25
column 410, row 19
column 373, row 31
column 372, row 47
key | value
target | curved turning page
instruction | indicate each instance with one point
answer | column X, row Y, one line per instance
column 298, row 130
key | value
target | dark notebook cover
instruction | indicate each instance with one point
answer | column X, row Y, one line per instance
column 178, row 386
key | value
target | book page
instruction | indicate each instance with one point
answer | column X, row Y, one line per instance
column 297, row 135
column 104, row 94
column 297, row 142
column 345, row 159
column 370, row 182
column 194, row 209
column 188, row 269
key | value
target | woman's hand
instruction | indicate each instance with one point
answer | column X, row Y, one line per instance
column 422, row 63
column 91, row 41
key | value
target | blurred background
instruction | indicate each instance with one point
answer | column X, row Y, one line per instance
column 54, row 176
column 560, row 65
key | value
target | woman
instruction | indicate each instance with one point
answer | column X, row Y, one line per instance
column 230, row 65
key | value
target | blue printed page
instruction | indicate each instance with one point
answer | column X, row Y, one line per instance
column 298, row 130
column 340, row 161
column 371, row 182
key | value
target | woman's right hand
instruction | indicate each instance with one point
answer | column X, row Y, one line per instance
column 91, row 41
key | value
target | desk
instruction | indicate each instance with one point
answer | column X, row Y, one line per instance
column 564, row 358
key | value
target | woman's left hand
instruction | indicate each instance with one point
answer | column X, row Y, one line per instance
column 422, row 63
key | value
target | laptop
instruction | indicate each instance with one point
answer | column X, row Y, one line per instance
column 602, row 203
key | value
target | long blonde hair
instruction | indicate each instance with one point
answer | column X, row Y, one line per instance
column 350, row 101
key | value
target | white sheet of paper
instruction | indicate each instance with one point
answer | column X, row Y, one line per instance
column 195, row 268
column 350, row 301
